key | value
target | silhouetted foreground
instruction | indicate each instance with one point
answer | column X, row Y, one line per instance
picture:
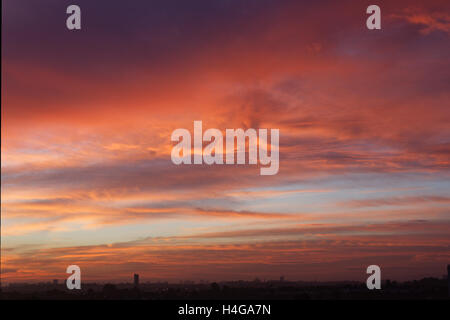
column 428, row 288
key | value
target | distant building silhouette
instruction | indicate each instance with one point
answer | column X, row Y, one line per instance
column 136, row 280
column 448, row 279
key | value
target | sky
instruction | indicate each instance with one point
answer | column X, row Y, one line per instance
column 87, row 117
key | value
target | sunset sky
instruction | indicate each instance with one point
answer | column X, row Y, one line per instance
column 87, row 116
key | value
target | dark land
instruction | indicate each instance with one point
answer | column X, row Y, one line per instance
column 427, row 288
